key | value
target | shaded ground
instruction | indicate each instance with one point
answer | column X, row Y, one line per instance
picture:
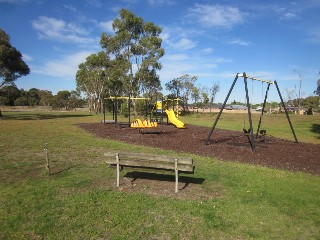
column 224, row 145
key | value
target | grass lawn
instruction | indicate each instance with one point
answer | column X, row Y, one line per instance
column 77, row 200
column 306, row 127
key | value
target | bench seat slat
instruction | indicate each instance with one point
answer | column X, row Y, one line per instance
column 151, row 161
column 154, row 164
column 139, row 156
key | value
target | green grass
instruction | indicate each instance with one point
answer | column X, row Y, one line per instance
column 76, row 202
column 307, row 128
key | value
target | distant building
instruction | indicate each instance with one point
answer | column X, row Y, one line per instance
column 235, row 107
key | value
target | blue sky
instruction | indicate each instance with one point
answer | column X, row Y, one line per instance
column 210, row 39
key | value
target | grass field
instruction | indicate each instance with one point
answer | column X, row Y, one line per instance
column 306, row 127
column 76, row 202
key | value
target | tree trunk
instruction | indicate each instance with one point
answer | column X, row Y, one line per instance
column 1, row 113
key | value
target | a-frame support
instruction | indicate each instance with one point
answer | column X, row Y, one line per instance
column 286, row 111
column 251, row 136
column 221, row 110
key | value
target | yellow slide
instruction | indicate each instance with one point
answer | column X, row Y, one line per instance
column 174, row 120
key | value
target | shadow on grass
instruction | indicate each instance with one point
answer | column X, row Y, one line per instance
column 315, row 128
column 163, row 177
column 56, row 171
column 39, row 116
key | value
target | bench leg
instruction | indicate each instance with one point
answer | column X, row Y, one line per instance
column 118, row 169
column 177, row 174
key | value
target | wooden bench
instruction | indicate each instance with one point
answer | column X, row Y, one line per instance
column 149, row 161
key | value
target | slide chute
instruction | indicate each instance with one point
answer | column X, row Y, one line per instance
column 174, row 120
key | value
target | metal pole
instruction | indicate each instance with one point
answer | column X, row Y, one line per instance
column 285, row 109
column 113, row 109
column 223, row 105
column 104, row 111
column 116, row 112
column 262, row 111
column 177, row 174
column 162, row 111
column 253, row 146
column 118, row 169
column 129, row 108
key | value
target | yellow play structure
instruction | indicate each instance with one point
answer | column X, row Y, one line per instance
column 143, row 124
column 172, row 117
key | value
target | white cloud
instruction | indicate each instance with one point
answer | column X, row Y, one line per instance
column 59, row 30
column 106, row 26
column 240, row 42
column 27, row 57
column 65, row 67
column 182, row 44
column 177, row 57
column 161, row 2
column 288, row 16
column 207, row 50
column 216, row 15
column 314, row 35
column 175, row 65
column 221, row 60
column 175, row 39
column 70, row 7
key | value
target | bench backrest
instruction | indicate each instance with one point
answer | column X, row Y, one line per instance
column 150, row 161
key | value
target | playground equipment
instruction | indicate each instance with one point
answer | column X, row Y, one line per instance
column 115, row 105
column 158, row 109
column 172, row 114
column 249, row 132
column 143, row 124
column 173, row 119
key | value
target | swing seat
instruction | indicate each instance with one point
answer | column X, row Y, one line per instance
column 246, row 131
column 263, row 131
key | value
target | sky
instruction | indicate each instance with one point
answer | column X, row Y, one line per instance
column 213, row 40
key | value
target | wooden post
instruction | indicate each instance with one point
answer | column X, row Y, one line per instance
column 47, row 158
column 118, row 169
column 177, row 173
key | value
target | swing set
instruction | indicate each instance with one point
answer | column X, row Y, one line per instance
column 249, row 132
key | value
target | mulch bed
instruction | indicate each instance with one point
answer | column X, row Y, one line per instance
column 224, row 145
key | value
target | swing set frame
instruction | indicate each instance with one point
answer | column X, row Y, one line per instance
column 251, row 136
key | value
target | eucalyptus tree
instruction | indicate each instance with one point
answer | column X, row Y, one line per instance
column 137, row 43
column 11, row 64
column 213, row 93
column 317, row 91
column 175, row 87
column 204, row 97
column 92, row 78
column 182, row 87
column 195, row 95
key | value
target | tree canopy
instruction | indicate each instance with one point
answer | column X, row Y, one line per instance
column 137, row 44
column 11, row 64
column 99, row 77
